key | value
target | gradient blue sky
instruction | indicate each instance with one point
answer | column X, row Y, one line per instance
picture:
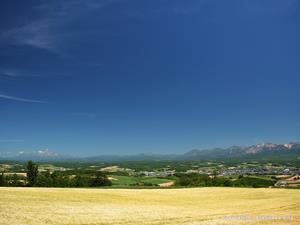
column 91, row 77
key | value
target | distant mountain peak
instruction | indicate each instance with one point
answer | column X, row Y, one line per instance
column 32, row 155
column 266, row 151
column 48, row 153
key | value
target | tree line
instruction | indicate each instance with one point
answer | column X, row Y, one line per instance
column 202, row 180
column 34, row 178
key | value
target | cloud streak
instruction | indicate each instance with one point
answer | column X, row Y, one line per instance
column 13, row 73
column 36, row 34
column 13, row 98
column 49, row 31
column 52, row 32
column 8, row 74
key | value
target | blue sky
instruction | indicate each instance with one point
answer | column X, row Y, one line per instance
column 87, row 77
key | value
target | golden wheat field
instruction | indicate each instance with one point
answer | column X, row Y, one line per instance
column 39, row 206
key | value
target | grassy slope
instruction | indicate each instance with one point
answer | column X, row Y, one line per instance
column 171, row 206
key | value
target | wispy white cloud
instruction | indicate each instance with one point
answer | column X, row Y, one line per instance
column 13, row 98
column 8, row 74
column 51, row 31
column 37, row 34
column 48, row 32
column 15, row 73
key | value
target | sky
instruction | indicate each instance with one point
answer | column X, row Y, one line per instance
column 93, row 77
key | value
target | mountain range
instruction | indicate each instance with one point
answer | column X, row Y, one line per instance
column 290, row 151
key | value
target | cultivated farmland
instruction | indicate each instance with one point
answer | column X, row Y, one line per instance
column 226, row 206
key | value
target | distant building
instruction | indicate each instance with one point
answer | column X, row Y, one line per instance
column 281, row 183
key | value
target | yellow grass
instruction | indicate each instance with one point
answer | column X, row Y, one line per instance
column 226, row 206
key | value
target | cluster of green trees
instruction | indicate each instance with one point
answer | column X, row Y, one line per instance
column 11, row 180
column 199, row 180
column 59, row 179
column 34, row 178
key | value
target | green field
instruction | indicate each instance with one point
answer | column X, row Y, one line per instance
column 214, row 206
column 130, row 180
